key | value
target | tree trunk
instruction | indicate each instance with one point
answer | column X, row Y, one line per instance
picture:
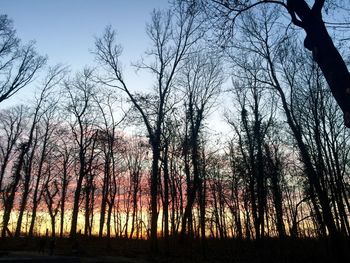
column 27, row 178
column 104, row 194
column 166, row 198
column 63, row 195
column 154, row 196
column 8, row 204
column 73, row 230
column 325, row 53
column 36, row 198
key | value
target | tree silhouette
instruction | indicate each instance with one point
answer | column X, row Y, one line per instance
column 307, row 17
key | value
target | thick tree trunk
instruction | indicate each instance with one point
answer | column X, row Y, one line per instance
column 8, row 204
column 27, row 178
column 73, row 230
column 53, row 226
column 22, row 206
column 324, row 52
column 4, row 164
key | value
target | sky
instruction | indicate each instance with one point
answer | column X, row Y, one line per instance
column 64, row 30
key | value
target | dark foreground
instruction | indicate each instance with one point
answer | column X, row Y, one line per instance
column 137, row 251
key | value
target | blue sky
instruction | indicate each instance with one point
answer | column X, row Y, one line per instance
column 65, row 29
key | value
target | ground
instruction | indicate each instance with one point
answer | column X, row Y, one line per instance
column 137, row 251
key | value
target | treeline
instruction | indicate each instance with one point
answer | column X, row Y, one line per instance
column 283, row 170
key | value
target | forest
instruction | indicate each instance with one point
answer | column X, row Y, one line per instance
column 93, row 159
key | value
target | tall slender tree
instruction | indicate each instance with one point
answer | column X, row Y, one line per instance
column 172, row 34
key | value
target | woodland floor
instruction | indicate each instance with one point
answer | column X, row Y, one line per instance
column 137, row 251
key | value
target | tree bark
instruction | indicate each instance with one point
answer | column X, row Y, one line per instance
column 324, row 52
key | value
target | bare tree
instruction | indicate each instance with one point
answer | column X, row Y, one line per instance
column 18, row 63
column 107, row 137
column 29, row 144
column 64, row 157
column 278, row 70
column 53, row 78
column 14, row 123
column 11, row 127
column 80, row 92
column 50, row 193
column 201, row 81
column 172, row 34
column 47, row 129
column 307, row 15
column 134, row 159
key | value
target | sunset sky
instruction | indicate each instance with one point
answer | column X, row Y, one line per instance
column 175, row 130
